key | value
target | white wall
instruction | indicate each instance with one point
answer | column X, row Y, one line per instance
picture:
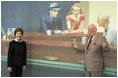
column 102, row 7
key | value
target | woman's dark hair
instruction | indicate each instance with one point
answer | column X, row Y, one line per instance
column 17, row 30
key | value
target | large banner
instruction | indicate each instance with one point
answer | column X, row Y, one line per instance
column 50, row 29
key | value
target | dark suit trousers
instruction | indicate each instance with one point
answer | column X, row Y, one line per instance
column 94, row 73
column 16, row 71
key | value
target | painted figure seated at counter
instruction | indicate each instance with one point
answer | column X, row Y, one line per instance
column 75, row 19
column 51, row 23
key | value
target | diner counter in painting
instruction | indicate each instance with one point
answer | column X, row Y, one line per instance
column 58, row 48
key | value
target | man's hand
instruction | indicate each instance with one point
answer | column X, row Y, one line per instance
column 74, row 45
column 10, row 69
column 105, row 45
column 65, row 32
column 58, row 32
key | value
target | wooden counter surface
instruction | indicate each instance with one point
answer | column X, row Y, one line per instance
column 58, row 46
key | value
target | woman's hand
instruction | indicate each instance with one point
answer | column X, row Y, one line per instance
column 10, row 69
column 24, row 67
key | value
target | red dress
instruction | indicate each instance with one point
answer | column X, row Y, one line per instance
column 81, row 18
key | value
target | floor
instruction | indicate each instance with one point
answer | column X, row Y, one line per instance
column 46, row 71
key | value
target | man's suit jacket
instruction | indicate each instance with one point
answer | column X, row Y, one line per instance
column 94, row 59
column 49, row 23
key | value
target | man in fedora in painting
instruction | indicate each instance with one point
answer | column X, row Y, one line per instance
column 50, row 23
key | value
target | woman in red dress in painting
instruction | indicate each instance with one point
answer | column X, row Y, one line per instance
column 75, row 19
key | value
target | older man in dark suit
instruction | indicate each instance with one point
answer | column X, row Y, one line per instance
column 94, row 59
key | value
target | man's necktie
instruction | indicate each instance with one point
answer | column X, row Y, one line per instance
column 89, row 42
column 105, row 31
column 53, row 19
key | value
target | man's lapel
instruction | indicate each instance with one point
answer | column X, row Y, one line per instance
column 93, row 41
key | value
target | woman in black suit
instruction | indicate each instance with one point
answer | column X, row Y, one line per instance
column 17, row 54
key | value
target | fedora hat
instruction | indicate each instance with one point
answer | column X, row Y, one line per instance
column 54, row 6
